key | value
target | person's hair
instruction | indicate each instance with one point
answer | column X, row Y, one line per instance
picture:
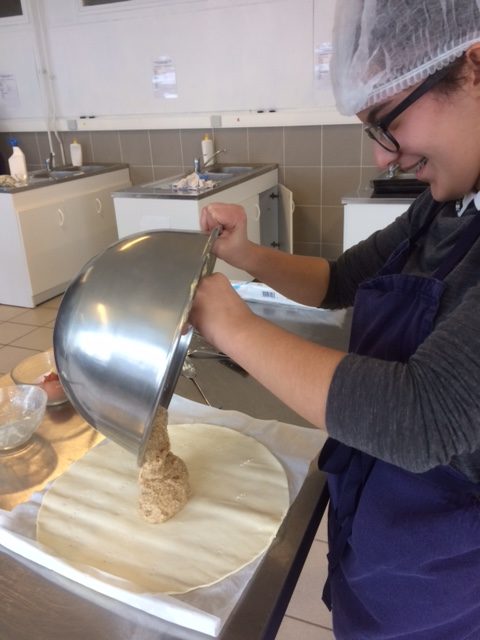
column 450, row 83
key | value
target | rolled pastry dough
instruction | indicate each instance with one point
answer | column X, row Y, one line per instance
column 90, row 516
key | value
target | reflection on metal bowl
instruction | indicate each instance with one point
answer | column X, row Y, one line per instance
column 120, row 337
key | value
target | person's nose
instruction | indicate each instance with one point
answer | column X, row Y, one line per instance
column 383, row 158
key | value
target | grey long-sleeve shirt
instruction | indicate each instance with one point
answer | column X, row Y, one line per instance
column 425, row 412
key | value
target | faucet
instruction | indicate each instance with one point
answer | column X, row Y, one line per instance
column 50, row 161
column 197, row 165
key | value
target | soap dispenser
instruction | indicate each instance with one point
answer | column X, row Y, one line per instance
column 208, row 152
column 76, row 153
column 17, row 163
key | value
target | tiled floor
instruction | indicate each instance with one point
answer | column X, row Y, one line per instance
column 24, row 332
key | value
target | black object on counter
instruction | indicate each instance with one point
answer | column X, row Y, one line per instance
column 398, row 185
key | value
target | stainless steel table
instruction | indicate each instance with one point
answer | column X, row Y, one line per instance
column 36, row 603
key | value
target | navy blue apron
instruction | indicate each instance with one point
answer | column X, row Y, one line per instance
column 404, row 548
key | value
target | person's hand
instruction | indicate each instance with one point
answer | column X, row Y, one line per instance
column 218, row 312
column 232, row 244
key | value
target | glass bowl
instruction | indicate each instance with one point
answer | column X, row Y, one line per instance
column 22, row 408
column 40, row 370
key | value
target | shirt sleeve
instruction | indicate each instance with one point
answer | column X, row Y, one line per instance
column 418, row 414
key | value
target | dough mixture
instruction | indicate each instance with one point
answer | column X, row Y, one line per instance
column 90, row 517
column 163, row 478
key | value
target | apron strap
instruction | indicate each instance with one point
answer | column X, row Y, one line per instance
column 468, row 237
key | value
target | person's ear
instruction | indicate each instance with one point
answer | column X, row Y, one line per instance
column 472, row 55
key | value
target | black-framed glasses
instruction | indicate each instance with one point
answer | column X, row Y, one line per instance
column 379, row 132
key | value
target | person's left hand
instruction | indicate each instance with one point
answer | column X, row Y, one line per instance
column 218, row 312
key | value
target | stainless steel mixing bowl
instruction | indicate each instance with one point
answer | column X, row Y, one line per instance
column 121, row 333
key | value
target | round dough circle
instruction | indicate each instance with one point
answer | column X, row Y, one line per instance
column 240, row 496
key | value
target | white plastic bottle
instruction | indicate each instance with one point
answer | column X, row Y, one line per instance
column 207, row 151
column 76, row 153
column 17, row 164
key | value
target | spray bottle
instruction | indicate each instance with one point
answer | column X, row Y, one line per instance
column 17, row 163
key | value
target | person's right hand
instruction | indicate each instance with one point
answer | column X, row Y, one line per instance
column 232, row 244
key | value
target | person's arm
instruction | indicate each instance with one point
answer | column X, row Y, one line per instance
column 301, row 278
column 298, row 372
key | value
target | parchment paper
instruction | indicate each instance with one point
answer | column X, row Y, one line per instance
column 205, row 609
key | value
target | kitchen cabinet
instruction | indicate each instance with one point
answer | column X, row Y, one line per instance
column 50, row 232
column 364, row 216
column 142, row 210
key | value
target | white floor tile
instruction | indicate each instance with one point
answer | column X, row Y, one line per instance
column 40, row 339
column 306, row 603
column 10, row 331
column 53, row 303
column 11, row 356
column 322, row 529
column 7, row 312
column 292, row 629
column 37, row 317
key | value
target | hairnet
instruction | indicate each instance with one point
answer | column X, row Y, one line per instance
column 381, row 47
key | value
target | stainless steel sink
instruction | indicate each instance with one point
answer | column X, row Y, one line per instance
column 237, row 170
column 66, row 172
column 169, row 183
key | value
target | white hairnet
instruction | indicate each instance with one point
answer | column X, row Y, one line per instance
column 381, row 47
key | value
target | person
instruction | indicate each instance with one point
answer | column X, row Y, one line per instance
column 402, row 407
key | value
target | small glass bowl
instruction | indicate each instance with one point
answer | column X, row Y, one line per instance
column 34, row 370
column 22, row 408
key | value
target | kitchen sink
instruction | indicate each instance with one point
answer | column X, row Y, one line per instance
column 66, row 172
column 237, row 170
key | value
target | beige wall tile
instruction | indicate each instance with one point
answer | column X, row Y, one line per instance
column 303, row 146
column 367, row 156
column 265, row 144
column 307, row 249
column 332, row 225
column 191, row 140
column 341, row 145
column 44, row 149
column 28, row 143
column 135, row 148
column 166, row 147
column 141, row 175
column 167, row 172
column 235, row 141
column 106, row 146
column 305, row 184
column 338, row 182
column 307, row 224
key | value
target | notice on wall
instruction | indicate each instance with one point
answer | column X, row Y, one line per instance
column 322, row 55
column 164, row 78
column 8, row 90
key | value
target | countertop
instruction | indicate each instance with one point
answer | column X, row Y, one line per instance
column 86, row 171
column 36, row 603
column 161, row 188
column 369, row 198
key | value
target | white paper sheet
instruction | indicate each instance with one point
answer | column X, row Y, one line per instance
column 205, row 609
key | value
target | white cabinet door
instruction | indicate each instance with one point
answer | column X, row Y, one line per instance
column 59, row 238
column 50, row 236
column 362, row 219
column 95, row 225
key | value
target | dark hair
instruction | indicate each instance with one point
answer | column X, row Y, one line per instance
column 454, row 78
